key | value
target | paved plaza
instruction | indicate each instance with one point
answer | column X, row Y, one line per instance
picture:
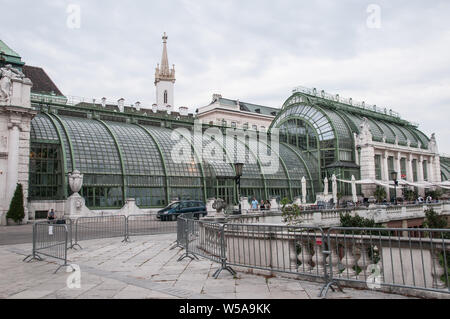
column 146, row 267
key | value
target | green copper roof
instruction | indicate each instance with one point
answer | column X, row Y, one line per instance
column 7, row 50
column 8, row 55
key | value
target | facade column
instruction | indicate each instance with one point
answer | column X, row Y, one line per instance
column 13, row 160
column 409, row 170
column 431, row 169
column 437, row 168
column 420, row 175
column 367, row 169
column 385, row 171
column 398, row 169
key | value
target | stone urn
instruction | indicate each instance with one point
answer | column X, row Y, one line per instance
column 75, row 181
column 219, row 205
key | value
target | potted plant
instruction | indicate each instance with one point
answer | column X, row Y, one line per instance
column 16, row 211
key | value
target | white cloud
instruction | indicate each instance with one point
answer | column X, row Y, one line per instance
column 256, row 51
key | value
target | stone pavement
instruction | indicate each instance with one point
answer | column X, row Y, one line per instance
column 146, row 268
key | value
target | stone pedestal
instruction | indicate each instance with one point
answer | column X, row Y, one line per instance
column 209, row 207
column 76, row 207
column 130, row 208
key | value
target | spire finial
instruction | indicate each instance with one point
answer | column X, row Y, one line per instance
column 165, row 37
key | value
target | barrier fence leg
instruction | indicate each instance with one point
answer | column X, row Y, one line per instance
column 126, row 238
column 187, row 253
column 65, row 255
column 33, row 255
column 223, row 256
column 177, row 243
column 329, row 281
column 76, row 236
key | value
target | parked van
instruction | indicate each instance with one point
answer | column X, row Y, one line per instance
column 171, row 212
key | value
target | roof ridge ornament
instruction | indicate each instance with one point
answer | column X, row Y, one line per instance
column 348, row 101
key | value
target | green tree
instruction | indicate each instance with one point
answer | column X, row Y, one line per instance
column 291, row 215
column 339, row 197
column 348, row 220
column 433, row 220
column 285, row 201
column 435, row 194
column 380, row 194
column 16, row 210
column 410, row 195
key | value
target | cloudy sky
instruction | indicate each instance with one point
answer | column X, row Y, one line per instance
column 254, row 51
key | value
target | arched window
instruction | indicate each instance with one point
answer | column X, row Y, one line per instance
column 165, row 97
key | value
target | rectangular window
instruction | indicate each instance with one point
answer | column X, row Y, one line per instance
column 255, row 127
column 403, row 168
column 378, row 167
column 345, row 156
column 390, row 166
column 233, row 124
column 414, row 168
column 45, row 171
column 425, row 171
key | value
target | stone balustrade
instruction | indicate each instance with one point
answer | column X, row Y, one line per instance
column 380, row 259
column 329, row 218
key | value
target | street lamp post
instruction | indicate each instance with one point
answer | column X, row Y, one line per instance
column 394, row 178
column 238, row 167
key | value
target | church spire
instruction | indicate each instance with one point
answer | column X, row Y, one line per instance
column 164, row 80
column 163, row 72
column 164, row 59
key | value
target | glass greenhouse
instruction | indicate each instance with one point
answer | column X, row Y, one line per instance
column 129, row 154
column 321, row 128
column 126, row 156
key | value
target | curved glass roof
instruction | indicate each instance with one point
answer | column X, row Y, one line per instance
column 326, row 117
column 94, row 150
column 134, row 157
column 315, row 116
column 43, row 129
column 445, row 168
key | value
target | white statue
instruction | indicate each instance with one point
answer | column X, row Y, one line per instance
column 325, row 186
column 334, row 188
column 432, row 145
column 7, row 74
column 364, row 136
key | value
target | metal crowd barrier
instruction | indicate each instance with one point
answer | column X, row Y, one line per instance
column 274, row 248
column 148, row 224
column 385, row 259
column 51, row 240
column 390, row 259
column 87, row 228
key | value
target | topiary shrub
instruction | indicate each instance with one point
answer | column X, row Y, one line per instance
column 16, row 210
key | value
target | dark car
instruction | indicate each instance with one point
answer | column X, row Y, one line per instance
column 171, row 212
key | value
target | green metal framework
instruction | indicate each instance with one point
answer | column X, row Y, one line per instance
column 121, row 158
column 334, row 125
